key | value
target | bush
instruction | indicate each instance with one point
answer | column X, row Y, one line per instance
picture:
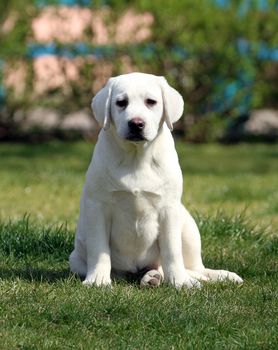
column 221, row 55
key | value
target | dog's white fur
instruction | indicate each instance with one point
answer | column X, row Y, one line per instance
column 131, row 215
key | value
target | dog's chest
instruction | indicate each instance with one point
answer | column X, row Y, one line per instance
column 137, row 197
column 136, row 212
column 136, row 202
column 135, row 227
column 136, row 205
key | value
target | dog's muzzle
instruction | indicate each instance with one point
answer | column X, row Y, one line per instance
column 136, row 128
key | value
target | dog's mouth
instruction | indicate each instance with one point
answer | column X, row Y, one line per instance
column 135, row 137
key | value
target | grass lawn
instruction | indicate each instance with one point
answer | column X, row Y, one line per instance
column 233, row 193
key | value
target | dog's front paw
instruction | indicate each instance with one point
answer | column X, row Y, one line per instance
column 197, row 275
column 97, row 279
column 179, row 280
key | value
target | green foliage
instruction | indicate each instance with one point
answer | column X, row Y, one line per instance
column 195, row 44
column 13, row 43
column 209, row 35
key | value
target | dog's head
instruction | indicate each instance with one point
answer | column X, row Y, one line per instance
column 136, row 105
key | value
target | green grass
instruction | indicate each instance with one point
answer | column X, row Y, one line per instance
column 233, row 193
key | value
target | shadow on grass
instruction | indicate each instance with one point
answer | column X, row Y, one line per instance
column 44, row 275
column 31, row 274
column 23, row 239
column 33, row 252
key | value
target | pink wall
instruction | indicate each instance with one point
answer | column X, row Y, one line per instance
column 67, row 25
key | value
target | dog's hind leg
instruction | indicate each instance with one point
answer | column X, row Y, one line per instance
column 191, row 245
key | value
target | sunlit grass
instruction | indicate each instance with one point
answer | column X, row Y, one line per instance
column 44, row 306
column 46, row 180
column 232, row 192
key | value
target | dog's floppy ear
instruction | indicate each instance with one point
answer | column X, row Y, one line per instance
column 172, row 103
column 101, row 104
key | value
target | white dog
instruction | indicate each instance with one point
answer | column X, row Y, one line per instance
column 131, row 215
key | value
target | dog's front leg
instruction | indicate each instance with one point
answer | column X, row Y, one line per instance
column 97, row 228
column 170, row 244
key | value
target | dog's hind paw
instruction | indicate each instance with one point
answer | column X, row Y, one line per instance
column 152, row 278
column 222, row 275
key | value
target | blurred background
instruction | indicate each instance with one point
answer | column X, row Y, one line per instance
column 222, row 55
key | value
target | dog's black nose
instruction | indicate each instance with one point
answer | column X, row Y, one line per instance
column 136, row 125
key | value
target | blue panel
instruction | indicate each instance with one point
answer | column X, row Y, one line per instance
column 69, row 51
column 42, row 3
column 223, row 3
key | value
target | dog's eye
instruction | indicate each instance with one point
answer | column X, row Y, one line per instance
column 122, row 103
column 150, row 102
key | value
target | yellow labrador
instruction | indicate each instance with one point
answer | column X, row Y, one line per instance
column 131, row 215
